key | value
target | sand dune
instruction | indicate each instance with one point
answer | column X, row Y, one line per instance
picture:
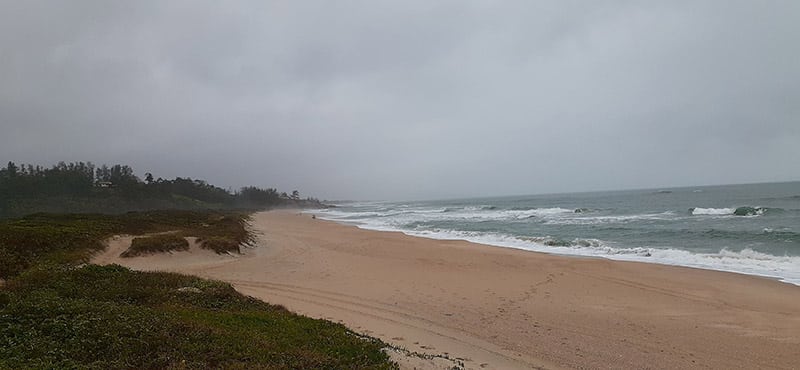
column 489, row 307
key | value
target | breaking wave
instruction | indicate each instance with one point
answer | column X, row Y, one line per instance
column 738, row 211
column 747, row 261
column 711, row 211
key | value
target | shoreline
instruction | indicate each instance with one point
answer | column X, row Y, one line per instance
column 781, row 279
column 502, row 307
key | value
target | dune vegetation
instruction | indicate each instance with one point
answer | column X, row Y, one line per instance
column 159, row 243
column 57, row 311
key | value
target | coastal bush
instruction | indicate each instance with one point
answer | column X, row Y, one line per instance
column 74, row 238
column 228, row 233
column 58, row 312
column 156, row 244
column 112, row 317
column 220, row 244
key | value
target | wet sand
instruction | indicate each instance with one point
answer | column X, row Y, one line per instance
column 493, row 307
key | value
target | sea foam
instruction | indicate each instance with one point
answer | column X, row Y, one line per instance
column 402, row 219
column 747, row 261
column 738, row 211
column 712, row 211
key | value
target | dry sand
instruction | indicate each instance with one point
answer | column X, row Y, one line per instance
column 504, row 308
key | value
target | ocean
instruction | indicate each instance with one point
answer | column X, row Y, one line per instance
column 750, row 229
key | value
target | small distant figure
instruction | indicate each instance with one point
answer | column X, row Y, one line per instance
column 314, row 216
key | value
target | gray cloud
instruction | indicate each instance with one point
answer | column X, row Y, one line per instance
column 363, row 99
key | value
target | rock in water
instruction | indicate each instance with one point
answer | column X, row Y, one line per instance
column 748, row 211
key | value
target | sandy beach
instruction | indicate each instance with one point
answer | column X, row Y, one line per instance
column 490, row 307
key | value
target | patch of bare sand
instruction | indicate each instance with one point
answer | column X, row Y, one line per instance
column 176, row 261
column 490, row 307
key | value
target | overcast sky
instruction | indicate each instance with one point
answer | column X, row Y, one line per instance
column 407, row 99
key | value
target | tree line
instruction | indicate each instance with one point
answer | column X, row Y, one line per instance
column 84, row 187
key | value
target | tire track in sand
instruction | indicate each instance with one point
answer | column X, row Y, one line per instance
column 365, row 308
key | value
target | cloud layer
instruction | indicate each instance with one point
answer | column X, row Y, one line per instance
column 363, row 99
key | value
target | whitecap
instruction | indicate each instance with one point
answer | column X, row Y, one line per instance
column 712, row 211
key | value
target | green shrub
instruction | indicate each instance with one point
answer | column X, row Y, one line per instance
column 156, row 244
column 57, row 313
column 74, row 238
column 220, row 244
column 110, row 317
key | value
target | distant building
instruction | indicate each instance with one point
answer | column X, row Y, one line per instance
column 104, row 184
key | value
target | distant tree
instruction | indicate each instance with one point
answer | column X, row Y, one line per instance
column 103, row 173
column 253, row 196
column 73, row 187
column 12, row 169
column 119, row 175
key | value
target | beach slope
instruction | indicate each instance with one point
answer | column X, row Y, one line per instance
column 490, row 307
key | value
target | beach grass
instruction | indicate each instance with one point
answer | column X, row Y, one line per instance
column 73, row 238
column 220, row 244
column 159, row 243
column 56, row 311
